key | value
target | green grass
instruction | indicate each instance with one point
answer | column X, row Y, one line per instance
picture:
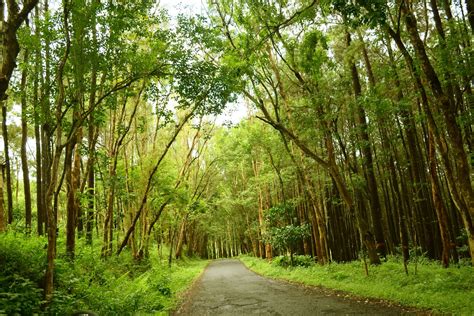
column 433, row 287
column 183, row 275
column 118, row 285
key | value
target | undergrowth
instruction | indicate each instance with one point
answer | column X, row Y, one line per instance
column 448, row 290
column 118, row 285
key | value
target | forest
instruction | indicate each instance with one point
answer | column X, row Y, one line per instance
column 356, row 144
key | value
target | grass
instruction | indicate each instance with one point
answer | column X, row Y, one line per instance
column 118, row 285
column 433, row 287
column 183, row 275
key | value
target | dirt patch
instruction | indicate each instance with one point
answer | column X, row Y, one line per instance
column 227, row 287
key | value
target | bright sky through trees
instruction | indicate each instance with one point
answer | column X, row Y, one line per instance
column 234, row 112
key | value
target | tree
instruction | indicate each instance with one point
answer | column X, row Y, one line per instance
column 284, row 233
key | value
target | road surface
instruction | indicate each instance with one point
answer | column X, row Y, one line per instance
column 227, row 287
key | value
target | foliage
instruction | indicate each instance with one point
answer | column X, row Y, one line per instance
column 283, row 233
column 298, row 261
column 287, row 236
column 118, row 285
column 22, row 262
column 444, row 290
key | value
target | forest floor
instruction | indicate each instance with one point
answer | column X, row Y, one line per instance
column 227, row 287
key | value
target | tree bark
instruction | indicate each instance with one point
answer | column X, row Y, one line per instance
column 7, row 163
column 461, row 176
column 180, row 242
column 438, row 203
column 71, row 207
column 92, row 138
column 24, row 138
column 470, row 13
column 368, row 163
column 53, row 165
column 3, row 219
column 9, row 41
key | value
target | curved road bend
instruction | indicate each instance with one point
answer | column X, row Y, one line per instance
column 227, row 287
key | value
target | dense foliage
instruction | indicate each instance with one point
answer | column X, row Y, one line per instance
column 116, row 286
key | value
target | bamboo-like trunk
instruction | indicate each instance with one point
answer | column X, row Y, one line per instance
column 24, row 138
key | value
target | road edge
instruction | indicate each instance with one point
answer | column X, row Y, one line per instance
column 183, row 297
column 350, row 296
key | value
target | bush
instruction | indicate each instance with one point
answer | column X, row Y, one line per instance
column 117, row 285
column 19, row 295
column 298, row 261
column 23, row 262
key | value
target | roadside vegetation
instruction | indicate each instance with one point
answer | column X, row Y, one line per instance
column 432, row 287
column 117, row 285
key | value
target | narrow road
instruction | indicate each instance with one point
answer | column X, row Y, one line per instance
column 227, row 287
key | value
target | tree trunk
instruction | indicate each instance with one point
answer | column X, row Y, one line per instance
column 454, row 191
column 51, row 254
column 76, row 180
column 24, row 138
column 53, row 167
column 362, row 127
column 461, row 176
column 7, row 163
column 180, row 242
column 470, row 13
column 3, row 219
column 438, row 203
column 72, row 166
column 91, row 138
column 90, row 182
column 8, row 54
column 71, row 210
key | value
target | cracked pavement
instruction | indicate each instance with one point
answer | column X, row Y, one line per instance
column 227, row 287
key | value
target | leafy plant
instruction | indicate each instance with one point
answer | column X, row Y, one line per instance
column 283, row 233
column 119, row 285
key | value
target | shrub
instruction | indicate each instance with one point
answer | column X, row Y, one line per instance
column 23, row 262
column 116, row 285
column 298, row 261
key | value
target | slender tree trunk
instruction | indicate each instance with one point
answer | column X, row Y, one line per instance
column 438, row 203
column 3, row 219
column 461, row 176
column 39, row 183
column 24, row 138
column 90, row 182
column 46, row 127
column 76, row 182
column 470, row 13
column 91, row 138
column 7, row 163
column 362, row 126
column 71, row 210
column 261, row 224
column 40, row 211
column 108, row 223
column 54, row 166
column 180, row 242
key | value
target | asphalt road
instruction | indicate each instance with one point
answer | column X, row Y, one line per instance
column 227, row 287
